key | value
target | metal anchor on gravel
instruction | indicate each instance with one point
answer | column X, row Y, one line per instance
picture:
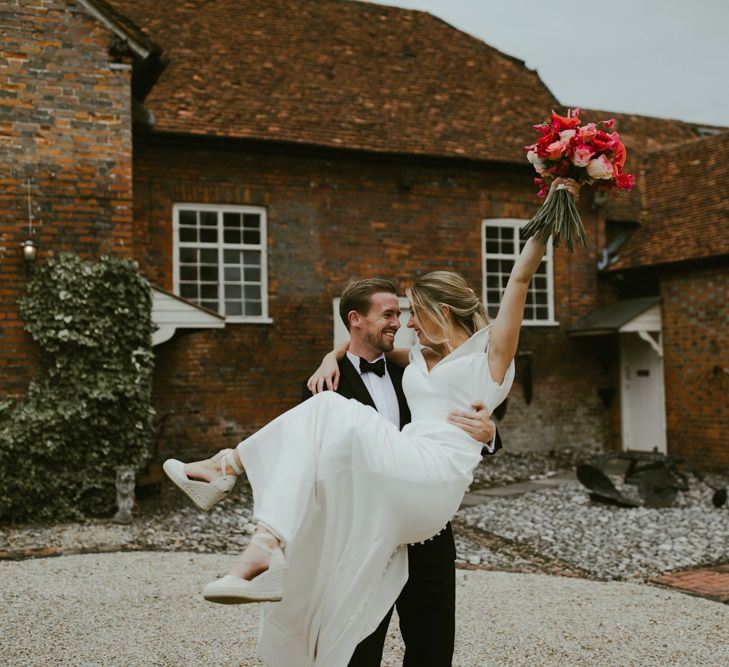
column 659, row 478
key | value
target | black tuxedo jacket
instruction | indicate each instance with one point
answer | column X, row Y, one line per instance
column 442, row 547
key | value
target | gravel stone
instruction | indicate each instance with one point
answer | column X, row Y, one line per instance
column 144, row 609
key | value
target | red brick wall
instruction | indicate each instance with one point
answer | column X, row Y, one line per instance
column 331, row 219
column 65, row 123
column 695, row 342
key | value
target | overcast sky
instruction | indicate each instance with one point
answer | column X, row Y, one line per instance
column 666, row 58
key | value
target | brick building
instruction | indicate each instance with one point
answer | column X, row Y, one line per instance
column 254, row 156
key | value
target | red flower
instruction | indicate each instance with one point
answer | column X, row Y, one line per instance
column 560, row 123
column 625, row 181
column 608, row 124
column 543, row 187
column 620, row 155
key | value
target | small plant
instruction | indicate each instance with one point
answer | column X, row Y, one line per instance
column 90, row 410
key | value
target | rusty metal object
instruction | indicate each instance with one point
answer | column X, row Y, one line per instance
column 658, row 478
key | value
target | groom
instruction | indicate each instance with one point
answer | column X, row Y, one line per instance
column 427, row 603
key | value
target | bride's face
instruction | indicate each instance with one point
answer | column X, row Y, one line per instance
column 422, row 326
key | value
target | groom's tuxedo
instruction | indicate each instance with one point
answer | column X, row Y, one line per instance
column 427, row 605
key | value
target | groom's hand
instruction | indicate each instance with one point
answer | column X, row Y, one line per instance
column 477, row 424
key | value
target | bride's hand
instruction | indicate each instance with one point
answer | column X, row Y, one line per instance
column 569, row 184
column 326, row 376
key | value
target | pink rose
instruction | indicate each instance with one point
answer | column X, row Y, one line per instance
column 587, row 132
column 608, row 124
column 556, row 149
column 566, row 135
column 582, row 155
column 600, row 168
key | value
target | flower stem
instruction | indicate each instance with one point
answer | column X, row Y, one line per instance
column 558, row 217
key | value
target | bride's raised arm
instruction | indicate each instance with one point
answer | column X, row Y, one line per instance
column 504, row 335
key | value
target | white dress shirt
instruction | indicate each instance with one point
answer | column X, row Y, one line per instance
column 381, row 390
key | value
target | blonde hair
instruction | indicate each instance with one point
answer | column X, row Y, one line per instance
column 445, row 288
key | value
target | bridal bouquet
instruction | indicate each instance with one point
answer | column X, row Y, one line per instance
column 589, row 154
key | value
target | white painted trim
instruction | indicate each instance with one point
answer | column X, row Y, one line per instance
column 655, row 344
column 516, row 224
column 220, row 209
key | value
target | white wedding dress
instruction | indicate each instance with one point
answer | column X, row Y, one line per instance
column 346, row 491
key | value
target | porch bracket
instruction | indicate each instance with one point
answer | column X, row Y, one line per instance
column 655, row 344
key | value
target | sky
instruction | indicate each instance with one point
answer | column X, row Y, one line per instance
column 665, row 58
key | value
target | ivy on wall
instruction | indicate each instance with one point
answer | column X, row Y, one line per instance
column 90, row 411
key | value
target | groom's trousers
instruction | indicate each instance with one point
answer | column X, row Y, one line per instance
column 426, row 609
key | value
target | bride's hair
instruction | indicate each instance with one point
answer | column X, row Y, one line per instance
column 445, row 288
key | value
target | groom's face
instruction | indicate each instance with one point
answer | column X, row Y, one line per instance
column 378, row 327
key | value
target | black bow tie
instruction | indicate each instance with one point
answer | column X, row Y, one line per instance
column 366, row 367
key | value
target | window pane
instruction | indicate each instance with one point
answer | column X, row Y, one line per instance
column 232, row 274
column 253, row 308
column 188, row 291
column 233, row 291
column 208, row 291
column 188, row 234
column 252, row 257
column 188, row 255
column 188, row 218
column 493, row 311
column 252, row 274
column 251, row 221
column 251, row 236
column 492, row 280
column 209, row 273
column 252, row 292
column 212, row 305
column 233, row 308
column 208, row 256
column 540, row 297
column 188, row 273
column 231, row 235
column 492, row 232
column 208, row 219
column 492, row 246
column 540, row 282
column 493, row 297
column 231, row 257
column 232, row 220
column 542, row 313
column 507, row 246
column 209, row 235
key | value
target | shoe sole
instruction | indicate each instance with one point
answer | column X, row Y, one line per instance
column 235, row 599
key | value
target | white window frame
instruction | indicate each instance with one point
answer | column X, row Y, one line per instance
column 517, row 224
column 220, row 209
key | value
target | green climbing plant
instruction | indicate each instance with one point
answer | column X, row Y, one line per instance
column 90, row 409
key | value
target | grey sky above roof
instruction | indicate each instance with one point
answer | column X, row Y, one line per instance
column 665, row 58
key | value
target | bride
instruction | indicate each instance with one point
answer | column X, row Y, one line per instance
column 341, row 491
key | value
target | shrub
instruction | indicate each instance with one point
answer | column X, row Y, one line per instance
column 90, row 411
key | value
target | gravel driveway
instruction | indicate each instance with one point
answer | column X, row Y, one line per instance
column 144, row 609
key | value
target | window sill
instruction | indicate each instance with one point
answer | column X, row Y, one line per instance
column 545, row 323
column 248, row 320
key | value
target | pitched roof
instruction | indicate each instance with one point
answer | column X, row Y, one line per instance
column 337, row 73
column 685, row 212
column 641, row 135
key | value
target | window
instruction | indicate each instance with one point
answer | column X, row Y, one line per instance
column 501, row 247
column 220, row 259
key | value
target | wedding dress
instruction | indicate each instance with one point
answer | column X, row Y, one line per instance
column 346, row 492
